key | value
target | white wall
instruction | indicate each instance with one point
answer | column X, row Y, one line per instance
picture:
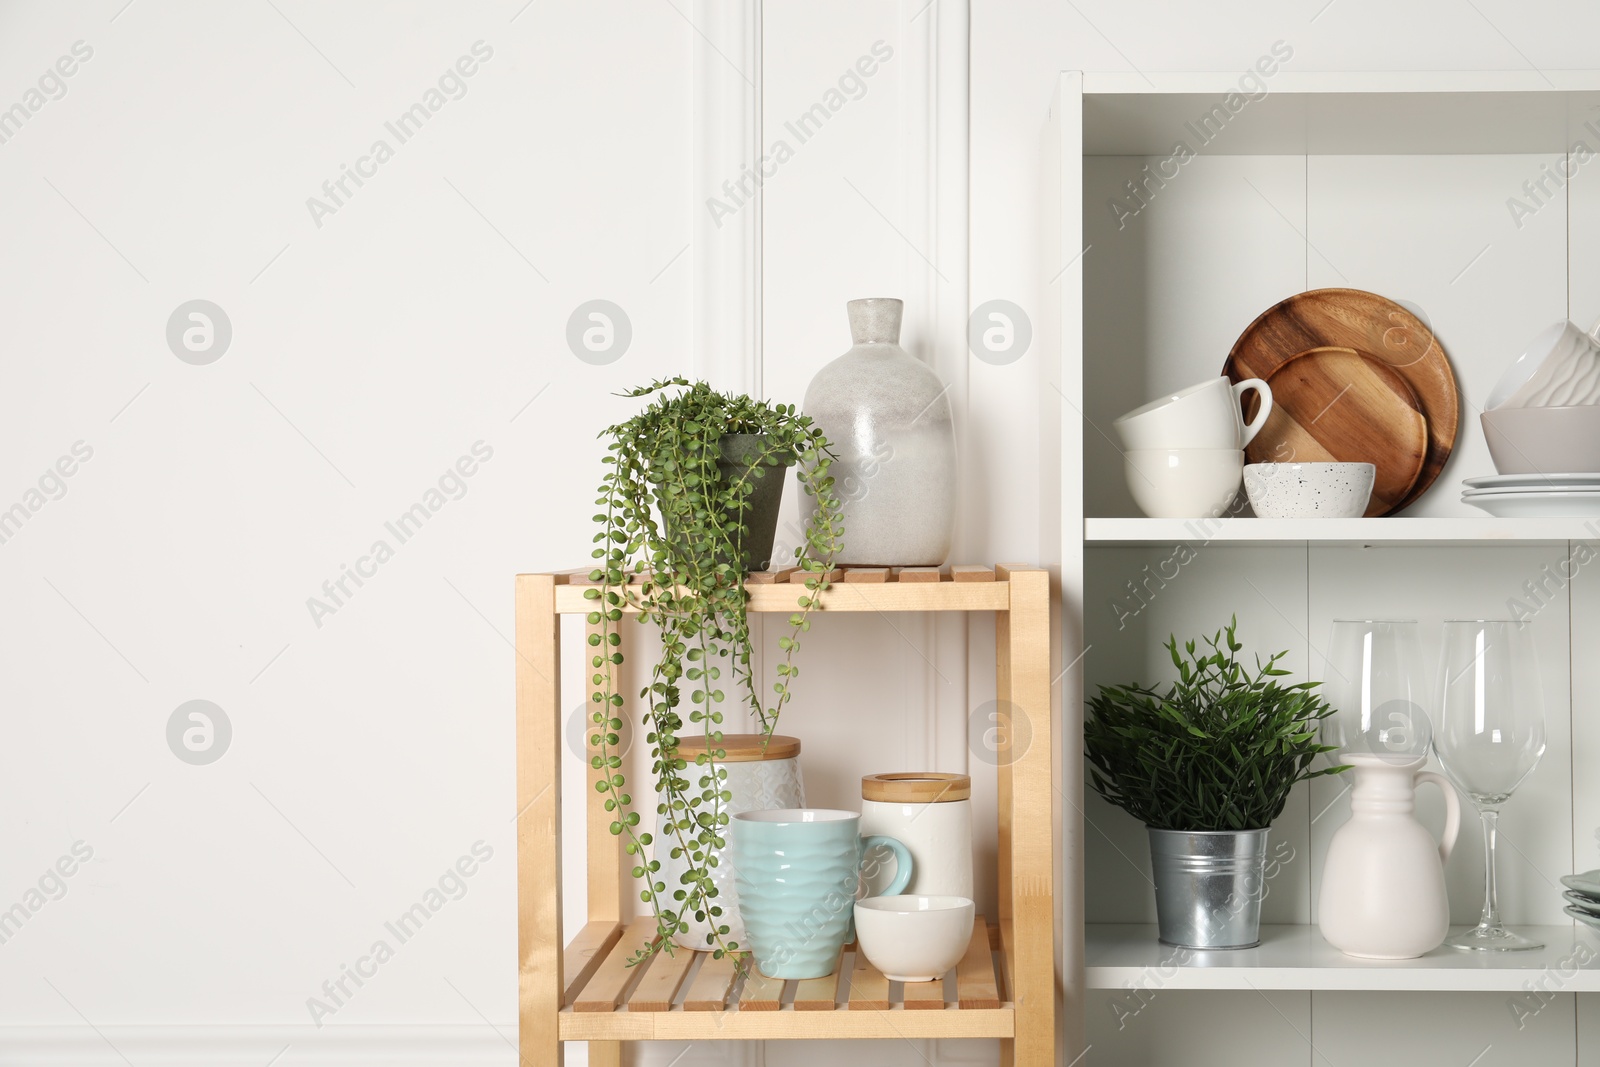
column 369, row 352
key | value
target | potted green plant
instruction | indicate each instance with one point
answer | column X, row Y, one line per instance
column 689, row 505
column 1207, row 766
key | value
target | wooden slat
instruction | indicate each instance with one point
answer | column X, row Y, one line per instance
column 966, row 572
column 1028, row 929
column 660, row 983
column 770, row 577
column 800, row 577
column 584, row 955
column 923, row 995
column 604, row 991
column 869, row 989
column 709, row 990
column 760, row 993
column 788, row 1025
column 843, row 596
column 975, row 984
column 918, row 574
column 538, row 817
column 866, row 574
column 820, row 994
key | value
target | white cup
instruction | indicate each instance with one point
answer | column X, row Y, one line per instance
column 1202, row 416
column 914, row 938
column 1183, row 483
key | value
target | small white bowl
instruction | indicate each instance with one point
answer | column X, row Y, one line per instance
column 913, row 938
column 1309, row 490
column 1183, row 483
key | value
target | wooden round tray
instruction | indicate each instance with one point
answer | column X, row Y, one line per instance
column 1375, row 327
column 1340, row 405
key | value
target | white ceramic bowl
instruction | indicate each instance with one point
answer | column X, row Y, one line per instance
column 1544, row 440
column 1183, row 483
column 913, row 938
column 1309, row 490
column 1559, row 368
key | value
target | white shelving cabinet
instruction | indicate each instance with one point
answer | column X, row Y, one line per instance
column 1402, row 184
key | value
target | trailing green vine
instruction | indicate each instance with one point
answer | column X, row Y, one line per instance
column 670, row 545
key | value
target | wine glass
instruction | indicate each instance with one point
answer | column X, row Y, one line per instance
column 1489, row 738
column 1374, row 681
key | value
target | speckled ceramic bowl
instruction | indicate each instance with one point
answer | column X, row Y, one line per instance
column 1309, row 490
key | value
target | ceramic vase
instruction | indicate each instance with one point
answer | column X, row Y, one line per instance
column 888, row 418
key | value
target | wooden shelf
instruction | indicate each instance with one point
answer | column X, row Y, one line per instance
column 1296, row 957
column 1395, row 531
column 958, row 588
column 583, row 990
column 690, row 996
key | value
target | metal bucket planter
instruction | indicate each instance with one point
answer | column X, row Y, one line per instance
column 1209, row 886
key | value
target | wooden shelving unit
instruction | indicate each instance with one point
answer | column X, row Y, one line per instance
column 582, row 989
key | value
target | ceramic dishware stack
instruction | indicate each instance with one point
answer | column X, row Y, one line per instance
column 1583, row 897
column 1356, row 378
column 1184, row 452
column 1542, row 424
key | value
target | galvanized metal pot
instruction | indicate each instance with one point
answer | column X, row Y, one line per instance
column 1209, row 886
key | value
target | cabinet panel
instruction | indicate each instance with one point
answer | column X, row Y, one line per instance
column 1468, row 1029
column 1168, row 290
column 1199, row 1029
column 1430, row 585
column 1135, row 598
column 1435, row 232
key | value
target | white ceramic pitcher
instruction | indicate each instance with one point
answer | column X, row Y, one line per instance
column 1383, row 894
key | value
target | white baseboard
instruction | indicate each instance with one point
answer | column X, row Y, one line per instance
column 398, row 1045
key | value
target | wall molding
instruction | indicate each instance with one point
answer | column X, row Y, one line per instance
column 334, row 1045
column 727, row 195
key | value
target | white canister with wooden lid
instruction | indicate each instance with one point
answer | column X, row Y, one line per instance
column 763, row 775
column 931, row 814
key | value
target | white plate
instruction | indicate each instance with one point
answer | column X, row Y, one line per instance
column 1584, row 917
column 1575, row 503
column 1587, row 883
column 1507, row 482
column 1582, row 902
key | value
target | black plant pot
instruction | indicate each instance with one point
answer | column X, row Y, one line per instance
column 740, row 454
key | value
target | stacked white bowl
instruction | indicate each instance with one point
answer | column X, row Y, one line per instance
column 1184, row 452
column 1542, row 423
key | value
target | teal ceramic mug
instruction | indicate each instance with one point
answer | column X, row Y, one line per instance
column 798, row 870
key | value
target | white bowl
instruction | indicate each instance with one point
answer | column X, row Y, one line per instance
column 1183, row 483
column 1309, row 490
column 1537, row 440
column 1559, row 368
column 913, row 938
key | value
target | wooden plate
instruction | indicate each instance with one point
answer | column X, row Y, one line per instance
column 1374, row 326
column 1340, row 405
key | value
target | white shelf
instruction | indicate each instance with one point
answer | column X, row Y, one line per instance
column 1341, row 112
column 1296, row 957
column 1396, row 531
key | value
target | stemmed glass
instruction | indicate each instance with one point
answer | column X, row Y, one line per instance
column 1489, row 738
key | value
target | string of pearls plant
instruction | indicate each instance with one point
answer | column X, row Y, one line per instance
column 670, row 545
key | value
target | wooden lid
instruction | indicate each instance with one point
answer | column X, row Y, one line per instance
column 741, row 748
column 916, row 787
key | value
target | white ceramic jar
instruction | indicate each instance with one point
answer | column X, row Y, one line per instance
column 761, row 778
column 931, row 814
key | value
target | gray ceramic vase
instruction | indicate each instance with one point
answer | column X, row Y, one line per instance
column 888, row 418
